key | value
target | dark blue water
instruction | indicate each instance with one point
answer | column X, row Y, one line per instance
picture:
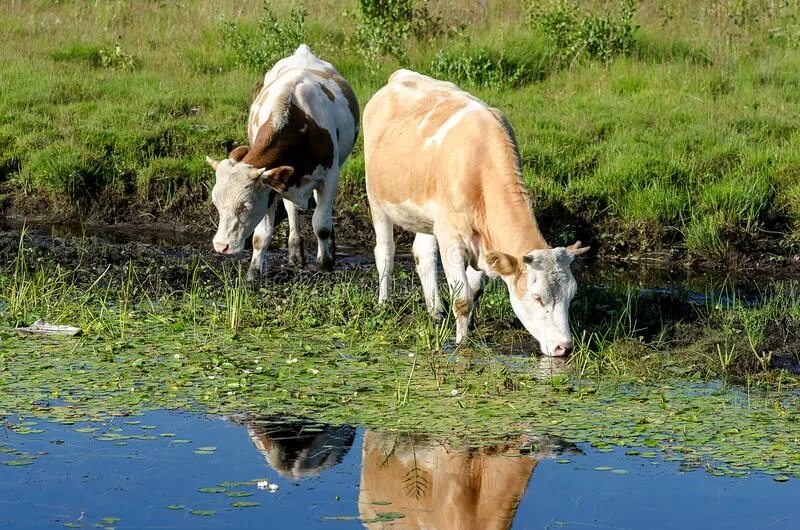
column 341, row 477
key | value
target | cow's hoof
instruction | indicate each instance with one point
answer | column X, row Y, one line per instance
column 297, row 259
column 253, row 275
column 325, row 264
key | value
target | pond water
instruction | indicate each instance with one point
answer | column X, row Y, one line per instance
column 179, row 470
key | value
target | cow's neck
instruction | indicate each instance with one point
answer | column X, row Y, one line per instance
column 509, row 223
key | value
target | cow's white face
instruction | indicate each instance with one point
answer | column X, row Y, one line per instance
column 541, row 287
column 240, row 194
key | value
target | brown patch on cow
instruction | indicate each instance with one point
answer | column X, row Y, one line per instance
column 258, row 242
column 301, row 143
column 238, row 153
column 462, row 307
column 327, row 92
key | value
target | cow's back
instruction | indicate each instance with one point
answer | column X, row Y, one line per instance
column 427, row 140
column 315, row 87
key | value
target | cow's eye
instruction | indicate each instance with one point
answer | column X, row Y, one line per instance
column 242, row 208
column 538, row 299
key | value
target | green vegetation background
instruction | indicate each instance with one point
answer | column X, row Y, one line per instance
column 646, row 123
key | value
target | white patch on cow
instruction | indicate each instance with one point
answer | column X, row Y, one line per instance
column 427, row 118
column 412, row 216
column 439, row 136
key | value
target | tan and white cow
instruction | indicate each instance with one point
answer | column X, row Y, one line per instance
column 439, row 487
column 303, row 124
column 441, row 163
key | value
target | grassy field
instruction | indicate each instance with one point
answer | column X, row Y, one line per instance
column 645, row 124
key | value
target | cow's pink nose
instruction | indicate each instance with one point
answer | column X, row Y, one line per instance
column 222, row 248
column 562, row 349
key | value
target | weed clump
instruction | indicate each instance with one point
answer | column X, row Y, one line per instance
column 273, row 39
column 479, row 67
column 383, row 27
column 574, row 33
column 116, row 59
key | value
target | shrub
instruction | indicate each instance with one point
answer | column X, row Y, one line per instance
column 383, row 27
column 573, row 32
column 273, row 40
column 116, row 59
column 479, row 67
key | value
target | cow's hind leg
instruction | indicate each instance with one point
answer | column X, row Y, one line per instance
column 384, row 252
column 425, row 258
column 262, row 238
column 454, row 262
column 297, row 256
column 322, row 222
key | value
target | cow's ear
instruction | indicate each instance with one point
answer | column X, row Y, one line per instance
column 213, row 163
column 502, row 264
column 576, row 249
column 238, row 153
column 276, row 178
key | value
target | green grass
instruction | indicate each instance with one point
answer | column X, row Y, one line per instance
column 324, row 348
column 685, row 137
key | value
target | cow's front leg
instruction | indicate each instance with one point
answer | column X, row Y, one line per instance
column 425, row 257
column 262, row 238
column 297, row 255
column 322, row 221
column 454, row 262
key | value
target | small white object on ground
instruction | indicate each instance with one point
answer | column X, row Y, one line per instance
column 273, row 487
column 43, row 328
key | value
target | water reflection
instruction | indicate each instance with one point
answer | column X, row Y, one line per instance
column 299, row 449
column 435, row 486
column 431, row 485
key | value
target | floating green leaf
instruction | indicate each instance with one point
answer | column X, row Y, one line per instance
column 212, row 489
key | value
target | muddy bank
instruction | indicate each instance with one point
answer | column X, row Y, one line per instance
column 168, row 249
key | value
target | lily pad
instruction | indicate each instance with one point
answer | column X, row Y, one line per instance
column 245, row 504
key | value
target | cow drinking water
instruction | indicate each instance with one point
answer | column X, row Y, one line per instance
column 441, row 163
column 303, row 124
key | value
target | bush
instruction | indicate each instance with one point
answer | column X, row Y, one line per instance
column 273, row 40
column 116, row 59
column 574, row 33
column 383, row 27
column 479, row 67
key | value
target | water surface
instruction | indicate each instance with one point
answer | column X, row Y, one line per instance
column 178, row 470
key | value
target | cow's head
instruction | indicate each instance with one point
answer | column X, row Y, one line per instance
column 240, row 194
column 541, row 287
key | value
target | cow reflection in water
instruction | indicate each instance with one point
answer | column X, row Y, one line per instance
column 433, row 486
column 439, row 488
column 299, row 449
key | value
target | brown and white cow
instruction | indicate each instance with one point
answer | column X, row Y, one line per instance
column 441, row 163
column 296, row 450
column 303, row 124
